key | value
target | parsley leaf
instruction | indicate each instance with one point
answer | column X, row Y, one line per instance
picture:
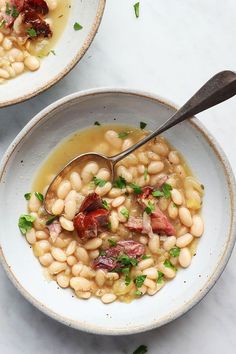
column 150, row 208
column 109, row 225
column 145, row 173
column 143, row 125
column 139, row 280
column 136, row 9
column 99, row 182
column 112, row 242
column 138, row 292
column 166, row 188
column 127, row 280
column 52, row 51
column 120, row 182
column 25, row 223
column 157, row 194
column 39, row 196
column 168, row 264
column 160, row 277
column 31, row 32
column 51, row 219
column 137, row 189
column 2, row 23
column 102, row 253
column 77, row 26
column 127, row 261
column 97, row 123
column 174, row 252
column 27, row 196
column 8, row 9
column 105, row 204
column 125, row 212
column 145, row 256
column 14, row 12
column 123, row 135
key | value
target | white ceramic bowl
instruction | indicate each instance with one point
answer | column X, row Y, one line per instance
column 69, row 49
column 203, row 154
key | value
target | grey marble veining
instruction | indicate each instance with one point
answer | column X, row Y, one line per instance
column 173, row 48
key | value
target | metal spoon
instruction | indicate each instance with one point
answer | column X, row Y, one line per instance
column 219, row 88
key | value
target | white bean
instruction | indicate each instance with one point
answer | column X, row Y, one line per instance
column 75, row 181
column 4, row 74
column 176, row 196
column 93, row 244
column 32, row 63
column 41, row 235
column 34, row 203
column 123, row 172
column 168, row 272
column 89, row 171
column 63, row 189
column 185, row 216
column 173, row 157
column 113, row 218
column 142, row 156
column 56, row 267
column 100, row 277
column 112, row 138
column 85, row 295
column 185, row 257
column 58, row 206
column 154, row 244
column 149, row 283
column 71, row 260
column 70, row 209
column 151, row 273
column 66, row 224
column 46, row 259
column 7, row 43
column 80, row 283
column 82, row 255
column 145, row 263
column 155, row 167
column 52, row 4
column 197, row 226
column 173, row 211
column 101, row 191
column 104, row 174
column 118, row 201
column 184, row 240
column 94, row 254
column 108, row 298
column 71, row 248
column 160, row 148
column 30, row 236
column 76, row 269
column 58, row 254
column 169, row 243
column 63, row 280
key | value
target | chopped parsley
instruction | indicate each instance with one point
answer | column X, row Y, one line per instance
column 123, row 135
column 139, row 280
column 25, row 223
column 157, row 194
column 127, row 280
column 109, row 225
column 39, row 196
column 150, row 208
column 14, row 12
column 8, row 9
column 174, row 252
column 168, row 264
column 99, row 182
column 166, row 188
column 143, row 125
column 160, row 277
column 102, row 253
column 112, row 242
column 52, row 51
column 137, row 189
column 51, row 219
column 120, row 182
column 127, row 261
column 145, row 173
column 145, row 256
column 31, row 32
column 77, row 26
column 27, row 196
column 125, row 212
column 2, row 23
column 105, row 204
column 97, row 123
column 138, row 293
column 136, row 9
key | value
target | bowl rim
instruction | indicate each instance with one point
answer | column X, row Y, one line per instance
column 228, row 247
column 70, row 65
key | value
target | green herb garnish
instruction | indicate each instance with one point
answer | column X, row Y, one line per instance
column 109, row 225
column 137, row 189
column 145, row 256
column 51, row 219
column 120, row 182
column 105, row 204
column 99, row 182
column 112, row 243
column 160, row 277
column 127, row 280
column 102, row 253
column 77, row 26
column 168, row 264
column 8, row 9
column 123, row 135
column 150, row 208
column 97, row 123
column 125, row 212
column 139, row 280
column 39, row 196
column 157, row 194
column 25, row 223
column 27, row 196
column 2, row 23
column 53, row 52
column 127, row 261
column 145, row 173
column 166, row 188
column 138, row 292
column 31, row 32
column 143, row 125
column 136, row 9
column 174, row 252
column 14, row 12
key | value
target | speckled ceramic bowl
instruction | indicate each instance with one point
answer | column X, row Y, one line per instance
column 69, row 49
column 202, row 153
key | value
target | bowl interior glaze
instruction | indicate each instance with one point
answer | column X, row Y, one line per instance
column 202, row 153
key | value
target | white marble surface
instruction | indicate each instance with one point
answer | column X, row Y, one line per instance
column 173, row 48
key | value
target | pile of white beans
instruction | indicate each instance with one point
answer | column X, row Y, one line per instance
column 14, row 56
column 68, row 260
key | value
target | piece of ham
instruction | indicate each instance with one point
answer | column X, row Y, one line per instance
column 54, row 230
column 17, row 5
column 92, row 217
column 109, row 261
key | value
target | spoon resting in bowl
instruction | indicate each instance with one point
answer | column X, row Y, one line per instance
column 219, row 88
